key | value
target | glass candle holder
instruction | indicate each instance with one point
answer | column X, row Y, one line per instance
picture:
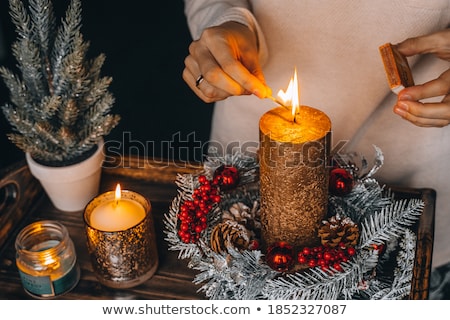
column 121, row 238
column 46, row 259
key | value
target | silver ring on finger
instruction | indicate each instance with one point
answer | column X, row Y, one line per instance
column 199, row 80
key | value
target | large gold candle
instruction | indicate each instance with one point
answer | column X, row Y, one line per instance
column 293, row 174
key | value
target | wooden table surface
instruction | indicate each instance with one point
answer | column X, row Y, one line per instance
column 23, row 201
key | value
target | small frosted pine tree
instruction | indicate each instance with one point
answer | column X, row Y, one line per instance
column 59, row 105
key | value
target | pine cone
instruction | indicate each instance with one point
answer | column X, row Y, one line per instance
column 249, row 217
column 337, row 231
column 229, row 233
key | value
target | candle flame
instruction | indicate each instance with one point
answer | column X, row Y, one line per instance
column 118, row 193
column 49, row 260
column 291, row 95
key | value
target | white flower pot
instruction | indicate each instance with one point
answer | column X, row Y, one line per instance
column 70, row 188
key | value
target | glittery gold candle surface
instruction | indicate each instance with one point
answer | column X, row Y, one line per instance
column 293, row 174
column 127, row 257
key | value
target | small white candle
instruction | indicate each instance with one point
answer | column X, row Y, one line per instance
column 117, row 214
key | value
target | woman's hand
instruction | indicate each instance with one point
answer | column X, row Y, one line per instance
column 408, row 104
column 224, row 62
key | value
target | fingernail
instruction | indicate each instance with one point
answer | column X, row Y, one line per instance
column 405, row 97
column 262, row 93
column 401, row 109
column 257, row 93
column 403, row 106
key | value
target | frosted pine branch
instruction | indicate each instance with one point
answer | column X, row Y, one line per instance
column 390, row 222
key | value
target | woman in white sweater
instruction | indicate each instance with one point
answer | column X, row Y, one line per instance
column 250, row 47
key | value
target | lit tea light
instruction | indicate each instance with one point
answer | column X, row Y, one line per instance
column 117, row 214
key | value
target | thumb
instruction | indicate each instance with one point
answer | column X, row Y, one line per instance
column 413, row 46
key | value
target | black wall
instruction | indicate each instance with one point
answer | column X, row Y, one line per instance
column 145, row 43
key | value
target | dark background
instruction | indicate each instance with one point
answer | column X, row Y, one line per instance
column 145, row 43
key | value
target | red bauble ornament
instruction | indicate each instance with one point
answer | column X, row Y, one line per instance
column 341, row 182
column 226, row 176
column 280, row 256
column 380, row 248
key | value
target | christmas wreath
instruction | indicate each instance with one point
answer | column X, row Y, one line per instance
column 367, row 245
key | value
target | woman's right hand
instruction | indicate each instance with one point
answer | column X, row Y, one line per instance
column 224, row 62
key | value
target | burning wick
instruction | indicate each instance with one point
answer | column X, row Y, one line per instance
column 282, row 104
column 290, row 96
column 118, row 194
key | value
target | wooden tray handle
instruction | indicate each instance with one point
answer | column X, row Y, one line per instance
column 19, row 191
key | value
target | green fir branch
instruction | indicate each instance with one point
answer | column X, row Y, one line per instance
column 98, row 109
column 20, row 120
column 68, row 113
column 98, row 89
column 313, row 284
column 94, row 67
column 29, row 60
column 43, row 22
column 74, row 80
column 64, row 42
column 21, row 19
column 364, row 200
column 392, row 221
column 233, row 276
column 401, row 284
column 49, row 107
column 99, row 128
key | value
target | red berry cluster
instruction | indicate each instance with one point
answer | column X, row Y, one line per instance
column 193, row 213
column 325, row 257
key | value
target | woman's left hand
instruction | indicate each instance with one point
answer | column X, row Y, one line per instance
column 409, row 105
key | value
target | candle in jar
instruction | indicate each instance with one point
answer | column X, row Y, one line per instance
column 117, row 214
column 46, row 259
column 294, row 151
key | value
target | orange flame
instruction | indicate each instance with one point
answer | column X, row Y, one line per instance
column 291, row 95
column 118, row 193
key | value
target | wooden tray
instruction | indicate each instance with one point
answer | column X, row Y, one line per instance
column 22, row 201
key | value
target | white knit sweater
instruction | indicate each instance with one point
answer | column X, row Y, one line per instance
column 334, row 46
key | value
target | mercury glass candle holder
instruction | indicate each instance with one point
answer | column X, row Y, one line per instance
column 122, row 258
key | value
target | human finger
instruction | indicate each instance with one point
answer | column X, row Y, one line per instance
column 202, row 88
column 424, row 114
column 234, row 47
column 211, row 70
column 437, row 43
column 434, row 88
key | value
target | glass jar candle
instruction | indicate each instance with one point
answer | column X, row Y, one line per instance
column 46, row 259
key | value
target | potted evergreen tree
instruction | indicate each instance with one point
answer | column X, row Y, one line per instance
column 59, row 106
